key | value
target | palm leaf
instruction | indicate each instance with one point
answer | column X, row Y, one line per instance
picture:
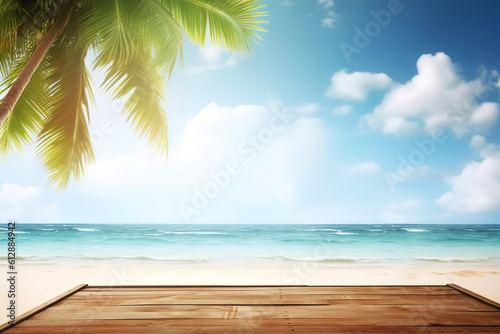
column 24, row 121
column 157, row 35
column 136, row 63
column 234, row 23
column 143, row 87
column 64, row 141
column 10, row 21
column 105, row 27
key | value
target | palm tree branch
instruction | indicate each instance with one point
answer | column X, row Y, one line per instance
column 234, row 23
column 143, row 88
column 64, row 141
column 25, row 119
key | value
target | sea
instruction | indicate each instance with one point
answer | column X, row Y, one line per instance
column 238, row 244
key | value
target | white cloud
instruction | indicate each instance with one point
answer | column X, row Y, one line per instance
column 356, row 85
column 326, row 3
column 437, row 97
column 330, row 20
column 13, row 193
column 137, row 168
column 342, row 110
column 276, row 158
column 213, row 58
column 24, row 204
column 274, row 169
column 288, row 165
column 477, row 188
column 331, row 17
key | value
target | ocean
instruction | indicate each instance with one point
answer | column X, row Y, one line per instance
column 335, row 245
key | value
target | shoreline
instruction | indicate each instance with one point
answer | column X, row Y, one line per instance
column 38, row 282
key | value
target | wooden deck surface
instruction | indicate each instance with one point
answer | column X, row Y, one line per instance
column 263, row 309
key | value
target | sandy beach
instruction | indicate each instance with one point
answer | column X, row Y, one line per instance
column 38, row 283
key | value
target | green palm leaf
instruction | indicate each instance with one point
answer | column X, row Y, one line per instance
column 25, row 120
column 144, row 89
column 64, row 142
column 234, row 23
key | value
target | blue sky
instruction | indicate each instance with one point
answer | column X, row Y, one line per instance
column 348, row 112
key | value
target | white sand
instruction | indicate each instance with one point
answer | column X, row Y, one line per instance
column 38, row 283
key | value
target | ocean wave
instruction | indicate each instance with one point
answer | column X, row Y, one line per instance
column 339, row 232
column 146, row 258
column 318, row 229
column 171, row 232
column 24, row 257
column 86, row 229
column 47, row 229
column 154, row 234
column 415, row 229
column 4, row 229
column 453, row 259
column 325, row 259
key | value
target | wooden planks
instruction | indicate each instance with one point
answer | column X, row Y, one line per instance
column 44, row 306
column 265, row 309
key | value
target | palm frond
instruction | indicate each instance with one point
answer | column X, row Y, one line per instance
column 137, row 74
column 144, row 89
column 64, row 141
column 24, row 121
column 10, row 21
column 157, row 35
column 233, row 23
column 105, row 26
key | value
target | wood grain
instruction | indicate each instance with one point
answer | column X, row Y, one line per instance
column 263, row 309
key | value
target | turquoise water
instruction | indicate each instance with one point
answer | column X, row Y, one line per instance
column 343, row 244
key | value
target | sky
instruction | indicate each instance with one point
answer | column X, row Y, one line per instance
column 347, row 112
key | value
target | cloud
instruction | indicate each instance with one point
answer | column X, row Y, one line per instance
column 213, row 58
column 330, row 20
column 437, row 97
column 24, row 204
column 477, row 188
column 277, row 157
column 288, row 165
column 326, row 3
column 357, row 85
column 137, row 168
column 277, row 148
column 331, row 17
column 13, row 193
column 342, row 110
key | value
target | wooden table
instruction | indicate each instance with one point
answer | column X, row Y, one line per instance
column 263, row 309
